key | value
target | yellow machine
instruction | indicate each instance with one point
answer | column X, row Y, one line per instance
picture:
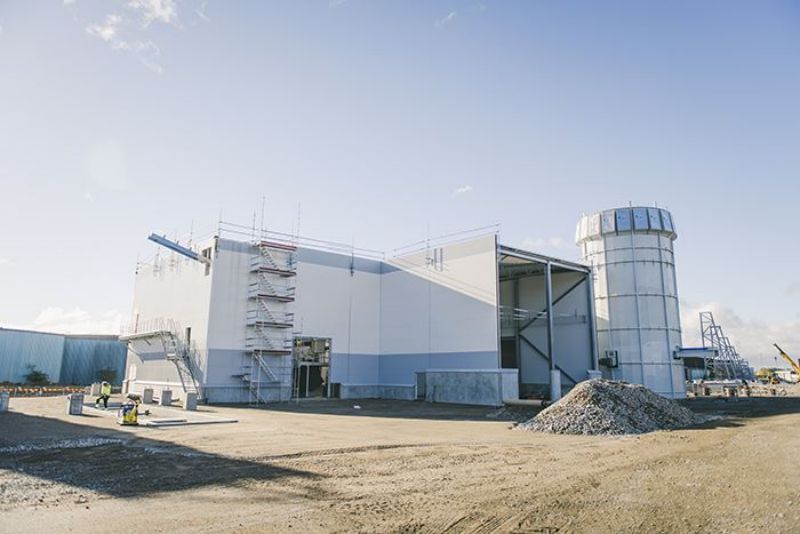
column 765, row 375
column 795, row 367
column 128, row 413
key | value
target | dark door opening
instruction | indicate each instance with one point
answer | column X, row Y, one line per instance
column 311, row 365
column 508, row 353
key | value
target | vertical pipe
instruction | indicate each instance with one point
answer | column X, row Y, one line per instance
column 592, row 321
column 548, row 282
column 517, row 340
column 555, row 374
column 498, row 303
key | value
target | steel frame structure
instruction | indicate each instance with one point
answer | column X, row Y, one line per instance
column 727, row 364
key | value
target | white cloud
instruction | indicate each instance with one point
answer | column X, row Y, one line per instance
column 128, row 32
column 105, row 163
column 69, row 2
column 153, row 66
column 76, row 321
column 793, row 289
column 336, row 3
column 88, row 197
column 201, row 12
column 447, row 19
column 164, row 11
column 536, row 243
column 5, row 261
column 108, row 30
column 463, row 190
column 551, row 246
column 753, row 338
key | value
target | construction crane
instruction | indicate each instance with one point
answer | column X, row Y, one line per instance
column 794, row 365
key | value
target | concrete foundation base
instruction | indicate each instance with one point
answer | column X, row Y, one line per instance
column 555, row 385
column 482, row 387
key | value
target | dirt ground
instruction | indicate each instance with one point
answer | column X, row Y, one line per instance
column 394, row 466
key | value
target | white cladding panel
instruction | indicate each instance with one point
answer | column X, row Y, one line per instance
column 176, row 288
column 442, row 300
column 331, row 302
column 229, row 302
column 338, row 297
column 636, row 295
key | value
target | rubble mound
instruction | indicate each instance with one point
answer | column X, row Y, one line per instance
column 609, row 407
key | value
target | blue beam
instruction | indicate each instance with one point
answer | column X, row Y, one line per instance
column 183, row 251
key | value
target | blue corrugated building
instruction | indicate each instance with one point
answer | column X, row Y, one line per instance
column 66, row 359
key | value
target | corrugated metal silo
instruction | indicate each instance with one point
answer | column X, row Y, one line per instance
column 636, row 296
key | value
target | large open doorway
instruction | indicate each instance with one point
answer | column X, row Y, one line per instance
column 546, row 320
column 311, row 367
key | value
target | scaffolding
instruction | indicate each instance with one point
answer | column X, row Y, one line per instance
column 724, row 362
column 268, row 366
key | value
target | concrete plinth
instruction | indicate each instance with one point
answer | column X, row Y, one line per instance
column 190, row 401
column 4, row 396
column 75, row 404
column 147, row 396
column 482, row 387
column 555, row 385
column 166, row 397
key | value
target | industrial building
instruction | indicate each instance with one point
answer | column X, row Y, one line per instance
column 66, row 359
column 248, row 315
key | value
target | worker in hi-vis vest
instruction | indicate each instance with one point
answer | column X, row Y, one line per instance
column 105, row 393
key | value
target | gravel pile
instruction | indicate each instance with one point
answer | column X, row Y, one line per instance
column 608, row 407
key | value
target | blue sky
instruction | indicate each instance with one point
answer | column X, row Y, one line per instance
column 386, row 119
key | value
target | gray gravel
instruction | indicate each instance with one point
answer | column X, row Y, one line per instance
column 607, row 407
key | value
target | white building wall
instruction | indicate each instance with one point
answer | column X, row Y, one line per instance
column 176, row 288
column 385, row 320
column 227, row 323
column 338, row 297
column 439, row 310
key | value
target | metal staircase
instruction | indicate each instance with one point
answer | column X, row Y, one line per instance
column 267, row 371
column 179, row 353
column 177, row 350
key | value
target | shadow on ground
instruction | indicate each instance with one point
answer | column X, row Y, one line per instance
column 730, row 413
column 124, row 464
column 744, row 406
column 382, row 408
